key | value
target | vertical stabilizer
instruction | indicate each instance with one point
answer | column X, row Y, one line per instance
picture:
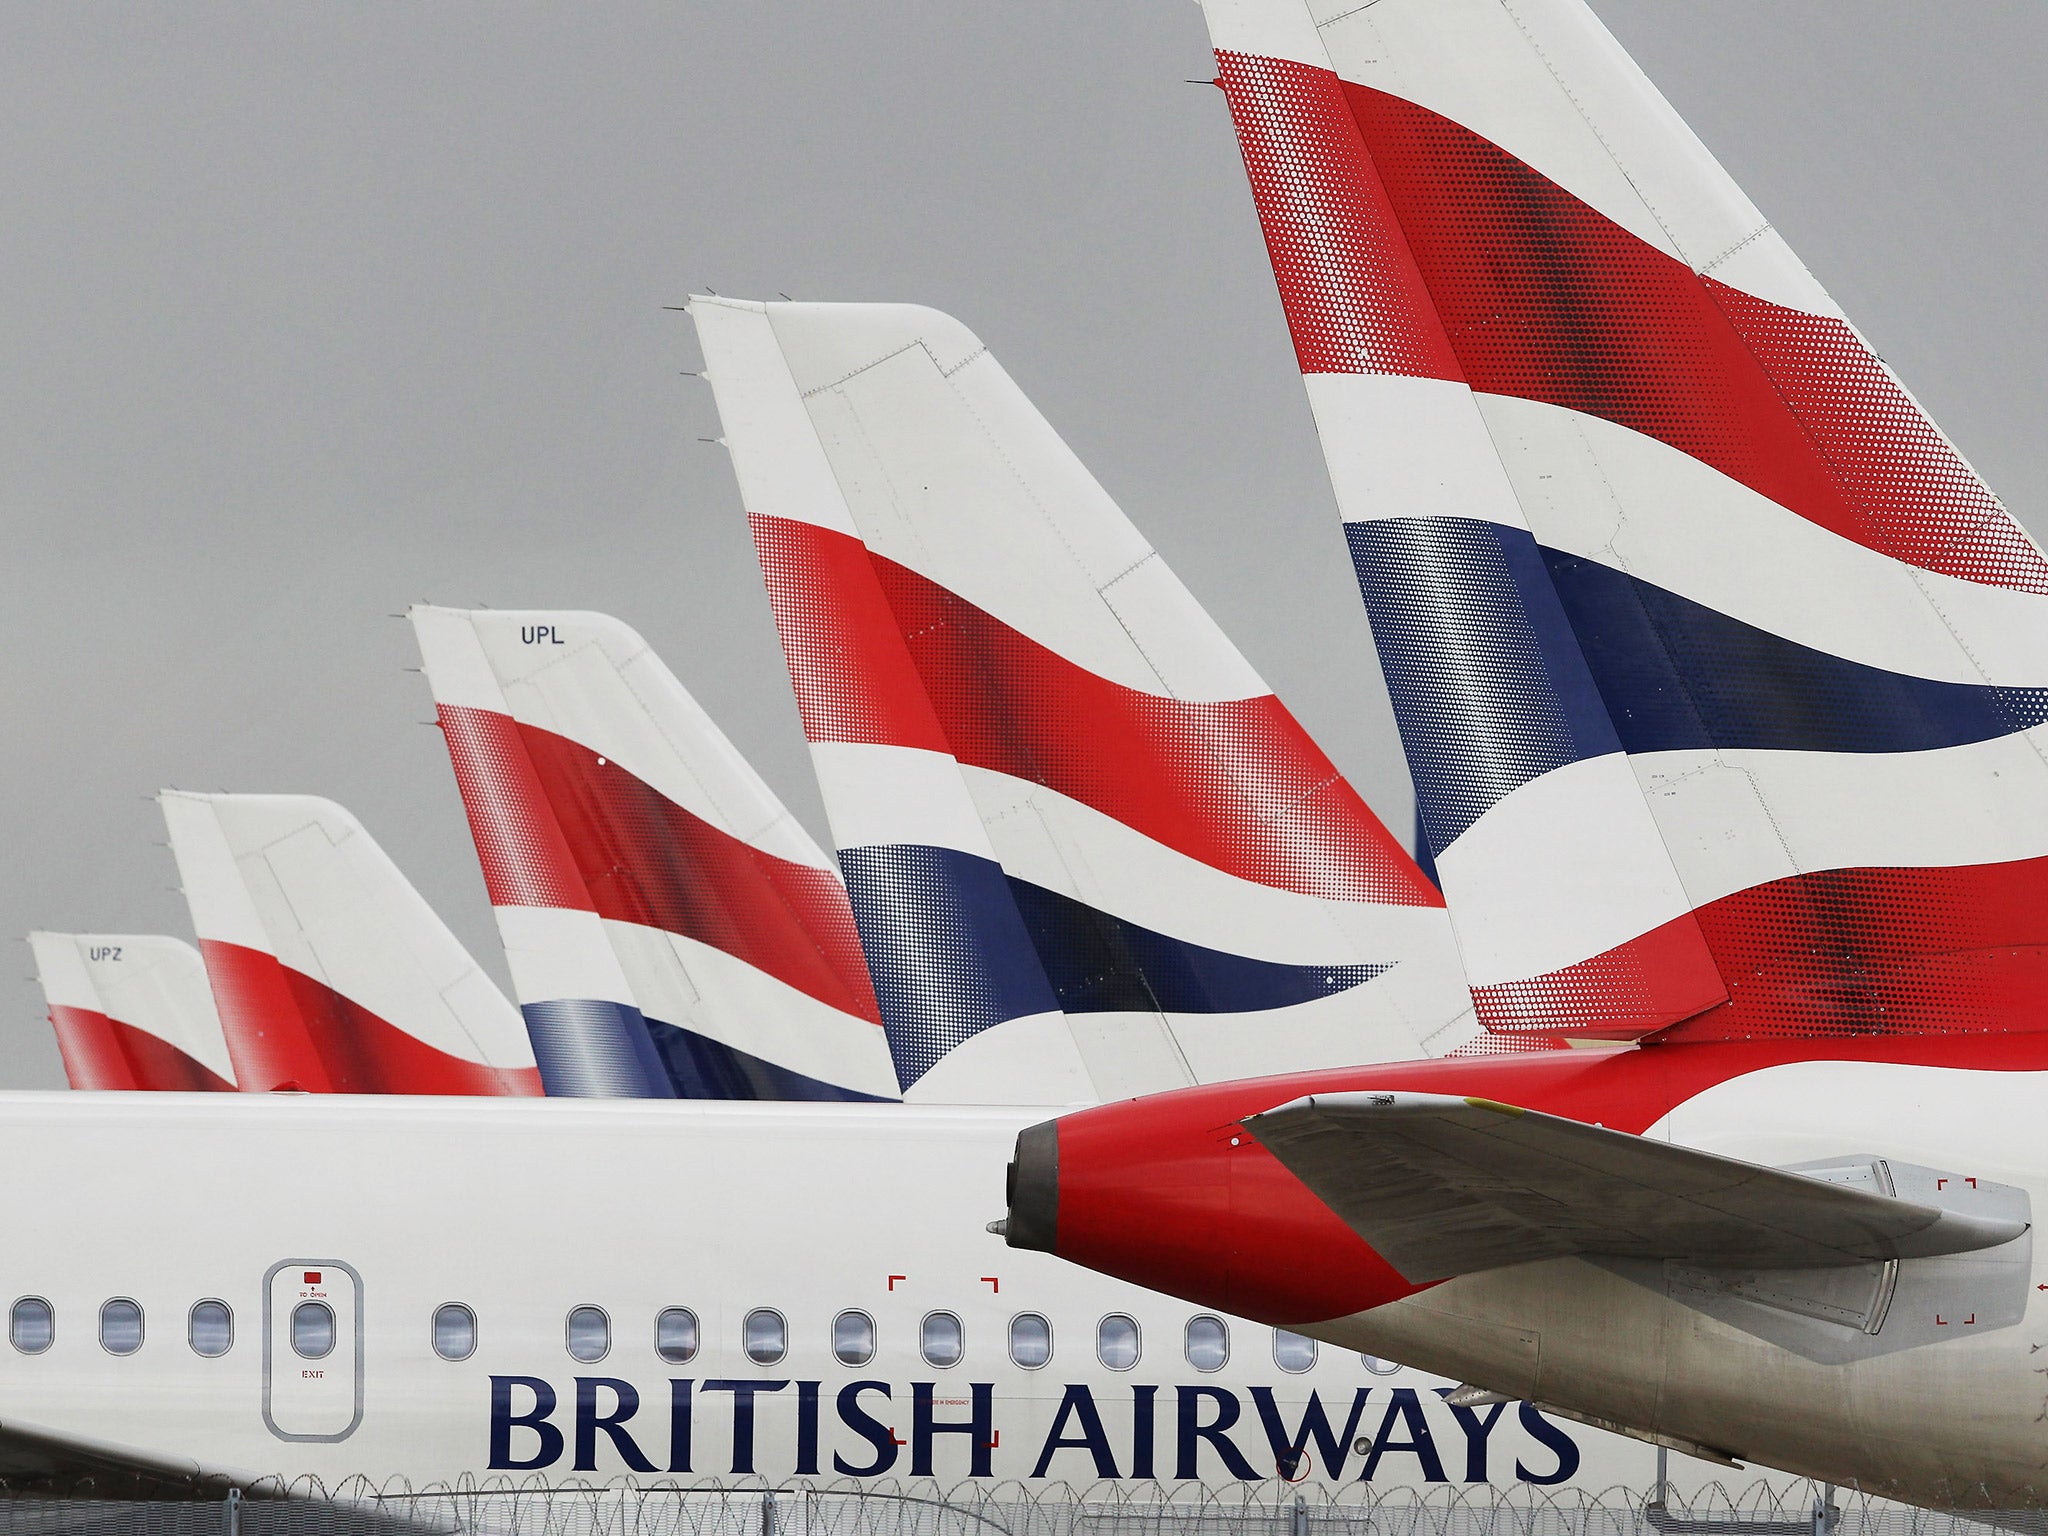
column 1720, row 672
column 132, row 1010
column 1206, row 894
column 671, row 928
column 330, row 972
column 969, row 1013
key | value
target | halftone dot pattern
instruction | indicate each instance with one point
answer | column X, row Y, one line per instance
column 259, row 1015
column 1677, row 675
column 1479, row 691
column 1354, row 301
column 588, row 1048
column 102, row 1052
column 525, row 861
column 1653, row 980
column 286, row 1030
column 1545, row 298
column 704, row 1068
column 365, row 1053
column 854, row 682
column 1100, row 963
column 1926, row 506
column 1509, row 1043
column 949, row 952
column 1880, row 951
column 1236, row 784
column 635, row 856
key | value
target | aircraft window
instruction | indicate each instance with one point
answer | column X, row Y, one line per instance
column 454, row 1331
column 210, row 1328
column 766, row 1336
column 1380, row 1367
column 1294, row 1352
column 941, row 1339
column 675, row 1335
column 853, row 1338
column 121, row 1326
column 590, row 1334
column 1116, row 1342
column 313, row 1329
column 1207, row 1344
column 1030, row 1340
column 31, row 1325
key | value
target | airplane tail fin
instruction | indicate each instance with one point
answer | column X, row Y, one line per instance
column 1720, row 673
column 131, row 1011
column 672, row 929
column 1204, row 891
column 965, row 1004
column 330, row 972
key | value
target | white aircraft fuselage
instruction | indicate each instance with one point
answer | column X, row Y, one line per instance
column 383, row 1210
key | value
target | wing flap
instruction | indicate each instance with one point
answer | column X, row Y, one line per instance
column 1444, row 1186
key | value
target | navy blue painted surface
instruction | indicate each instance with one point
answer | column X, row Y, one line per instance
column 703, row 1068
column 1677, row 674
column 587, row 1049
column 1099, row 963
column 945, row 946
column 1488, row 684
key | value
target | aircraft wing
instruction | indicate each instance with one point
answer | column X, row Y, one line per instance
column 32, row 1455
column 1444, row 1186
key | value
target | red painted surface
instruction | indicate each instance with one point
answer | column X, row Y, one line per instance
column 557, row 824
column 1152, row 1190
column 1841, row 952
column 1647, row 983
column 1539, row 295
column 1236, row 784
column 101, row 1052
column 853, row 678
column 287, row 1031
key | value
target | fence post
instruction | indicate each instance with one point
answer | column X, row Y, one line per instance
column 768, row 1513
column 231, row 1515
column 1297, row 1518
column 1824, row 1512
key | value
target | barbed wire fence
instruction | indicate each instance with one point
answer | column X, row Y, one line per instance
column 359, row 1508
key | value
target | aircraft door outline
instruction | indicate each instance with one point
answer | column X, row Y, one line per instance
column 312, row 1396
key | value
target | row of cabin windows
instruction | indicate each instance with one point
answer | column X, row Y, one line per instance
column 941, row 1339
column 764, row 1335
column 209, row 1326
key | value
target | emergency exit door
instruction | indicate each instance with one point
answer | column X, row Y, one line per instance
column 312, row 1350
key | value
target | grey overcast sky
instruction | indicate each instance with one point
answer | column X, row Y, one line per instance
column 308, row 312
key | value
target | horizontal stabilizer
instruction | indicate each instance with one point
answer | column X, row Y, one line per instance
column 1444, row 1186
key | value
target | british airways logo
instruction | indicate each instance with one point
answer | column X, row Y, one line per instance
column 770, row 1426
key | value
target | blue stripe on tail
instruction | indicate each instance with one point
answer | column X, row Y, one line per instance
column 588, row 1049
column 1488, row 684
column 946, row 948
column 1677, row 674
column 1099, row 963
column 703, row 1068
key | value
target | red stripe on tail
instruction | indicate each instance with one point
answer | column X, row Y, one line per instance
column 568, row 823
column 1354, row 300
column 1546, row 298
column 853, row 681
column 101, row 1052
column 1237, row 784
column 1541, row 296
column 286, row 1030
